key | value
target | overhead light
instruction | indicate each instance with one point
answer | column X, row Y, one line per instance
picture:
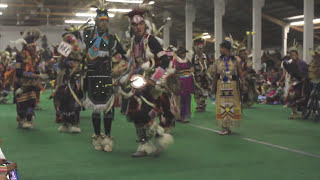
column 151, row 2
column 111, row 15
column 86, row 14
column 120, row 10
column 295, row 17
column 0, row 13
column 91, row 15
column 3, row 5
column 301, row 23
column 206, row 36
column 78, row 22
column 298, row 23
column 126, row 1
column 316, row 21
column 114, row 10
column 75, row 21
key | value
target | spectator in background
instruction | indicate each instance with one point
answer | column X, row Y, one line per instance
column 274, row 75
column 271, row 91
column 275, row 96
column 280, row 93
column 264, row 88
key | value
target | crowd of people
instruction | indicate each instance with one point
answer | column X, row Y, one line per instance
column 290, row 84
column 145, row 82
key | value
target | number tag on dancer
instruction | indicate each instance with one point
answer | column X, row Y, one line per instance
column 64, row 49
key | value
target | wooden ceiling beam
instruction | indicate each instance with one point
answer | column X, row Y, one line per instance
column 283, row 24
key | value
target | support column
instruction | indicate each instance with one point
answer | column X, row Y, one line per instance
column 219, row 10
column 190, row 17
column 308, row 29
column 257, row 26
column 249, row 41
column 166, row 30
column 285, row 31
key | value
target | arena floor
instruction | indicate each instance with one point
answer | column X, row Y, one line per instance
column 267, row 146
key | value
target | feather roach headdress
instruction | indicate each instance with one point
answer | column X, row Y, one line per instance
column 102, row 10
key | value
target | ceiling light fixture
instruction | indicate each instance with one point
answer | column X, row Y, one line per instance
column 301, row 23
column 114, row 10
column 111, row 15
column 120, row 10
column 78, row 21
column 295, row 17
column 126, row 1
column 75, row 21
column 3, row 5
column 151, row 2
column 91, row 15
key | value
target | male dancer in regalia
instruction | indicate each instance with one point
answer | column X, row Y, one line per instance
column 101, row 46
column 27, row 82
column 148, row 60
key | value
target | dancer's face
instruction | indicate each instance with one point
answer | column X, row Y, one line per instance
column 199, row 49
column 244, row 55
column 294, row 56
column 102, row 25
column 223, row 50
column 183, row 55
column 139, row 29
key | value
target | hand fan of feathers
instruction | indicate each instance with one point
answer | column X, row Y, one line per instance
column 73, row 37
column 294, row 46
column 75, row 30
column 173, row 84
column 29, row 36
column 290, row 67
column 33, row 33
column 236, row 45
column 293, row 69
column 101, row 5
column 314, row 68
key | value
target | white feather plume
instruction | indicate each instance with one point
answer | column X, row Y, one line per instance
column 19, row 43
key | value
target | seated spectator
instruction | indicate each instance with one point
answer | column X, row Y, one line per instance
column 271, row 93
column 264, row 91
column 274, row 75
column 276, row 95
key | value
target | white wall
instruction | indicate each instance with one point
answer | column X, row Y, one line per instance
column 53, row 33
column 12, row 33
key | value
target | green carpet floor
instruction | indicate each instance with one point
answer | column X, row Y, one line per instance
column 46, row 154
